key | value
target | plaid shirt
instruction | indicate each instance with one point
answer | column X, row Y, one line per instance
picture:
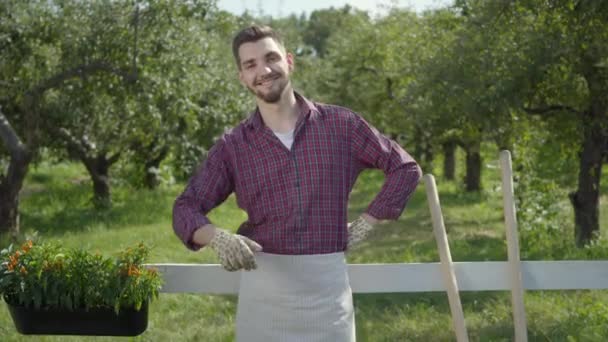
column 296, row 200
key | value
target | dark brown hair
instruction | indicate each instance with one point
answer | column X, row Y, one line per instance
column 253, row 34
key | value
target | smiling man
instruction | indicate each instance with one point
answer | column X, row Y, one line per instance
column 292, row 165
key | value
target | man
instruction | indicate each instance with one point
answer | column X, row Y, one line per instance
column 292, row 165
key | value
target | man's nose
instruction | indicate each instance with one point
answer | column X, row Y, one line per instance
column 264, row 69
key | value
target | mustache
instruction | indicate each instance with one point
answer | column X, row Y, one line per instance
column 265, row 78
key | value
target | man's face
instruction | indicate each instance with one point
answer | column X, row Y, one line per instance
column 264, row 69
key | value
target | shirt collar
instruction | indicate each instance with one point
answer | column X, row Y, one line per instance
column 307, row 110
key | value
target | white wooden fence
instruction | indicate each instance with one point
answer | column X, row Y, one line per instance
column 410, row 277
column 513, row 275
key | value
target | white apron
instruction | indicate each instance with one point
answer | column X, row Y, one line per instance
column 299, row 298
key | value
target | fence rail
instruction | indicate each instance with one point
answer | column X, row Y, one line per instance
column 410, row 277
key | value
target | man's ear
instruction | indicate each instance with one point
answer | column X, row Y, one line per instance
column 290, row 61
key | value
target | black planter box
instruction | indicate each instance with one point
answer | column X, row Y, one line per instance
column 96, row 322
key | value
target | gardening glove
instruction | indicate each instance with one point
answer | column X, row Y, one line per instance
column 358, row 230
column 234, row 251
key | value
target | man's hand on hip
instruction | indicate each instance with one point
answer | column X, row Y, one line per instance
column 358, row 230
column 234, row 251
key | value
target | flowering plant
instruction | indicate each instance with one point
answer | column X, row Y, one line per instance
column 49, row 276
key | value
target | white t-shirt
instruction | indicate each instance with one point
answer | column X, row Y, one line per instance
column 286, row 138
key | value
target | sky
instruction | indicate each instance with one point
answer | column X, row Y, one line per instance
column 279, row 8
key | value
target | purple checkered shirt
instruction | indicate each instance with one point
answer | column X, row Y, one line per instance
column 296, row 200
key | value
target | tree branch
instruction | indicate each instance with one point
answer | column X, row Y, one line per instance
column 73, row 143
column 550, row 108
column 114, row 158
column 369, row 69
column 80, row 71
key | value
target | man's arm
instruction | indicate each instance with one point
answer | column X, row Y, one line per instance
column 208, row 188
column 371, row 149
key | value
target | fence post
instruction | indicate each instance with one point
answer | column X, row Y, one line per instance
column 517, row 291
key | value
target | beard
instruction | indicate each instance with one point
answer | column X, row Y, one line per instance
column 274, row 93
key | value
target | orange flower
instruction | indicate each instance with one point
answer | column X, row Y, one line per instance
column 133, row 270
column 13, row 262
column 23, row 270
column 27, row 246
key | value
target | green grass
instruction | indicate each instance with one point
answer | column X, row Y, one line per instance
column 56, row 204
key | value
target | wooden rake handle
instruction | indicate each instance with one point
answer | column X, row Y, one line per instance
column 447, row 268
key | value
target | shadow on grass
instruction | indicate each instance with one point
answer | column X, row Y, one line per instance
column 389, row 302
column 61, row 209
column 404, row 310
column 461, row 198
column 501, row 331
column 478, row 247
column 456, row 224
column 40, row 177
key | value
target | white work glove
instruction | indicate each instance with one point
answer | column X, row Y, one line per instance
column 358, row 230
column 234, row 251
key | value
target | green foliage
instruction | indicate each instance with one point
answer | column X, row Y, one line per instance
column 541, row 187
column 325, row 22
column 50, row 276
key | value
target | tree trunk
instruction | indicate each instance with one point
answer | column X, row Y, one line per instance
column 12, row 181
column 97, row 164
column 428, row 157
column 473, row 164
column 418, row 148
column 9, row 213
column 585, row 200
column 152, row 165
column 151, row 177
column 10, row 186
column 99, row 171
column 449, row 160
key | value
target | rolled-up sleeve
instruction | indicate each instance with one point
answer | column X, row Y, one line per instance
column 371, row 149
column 208, row 188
